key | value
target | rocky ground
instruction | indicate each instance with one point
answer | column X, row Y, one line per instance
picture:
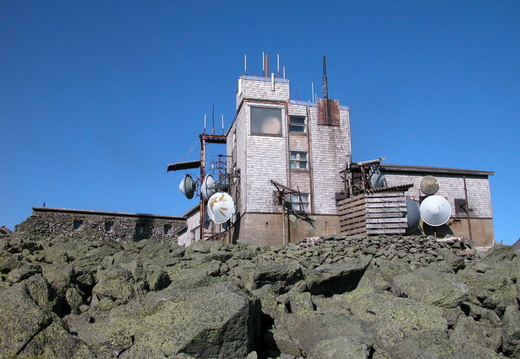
column 377, row 297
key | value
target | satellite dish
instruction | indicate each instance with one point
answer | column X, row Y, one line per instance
column 377, row 180
column 187, row 186
column 435, row 210
column 208, row 187
column 413, row 214
column 220, row 207
column 429, row 185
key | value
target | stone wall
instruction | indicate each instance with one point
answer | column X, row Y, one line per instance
column 114, row 226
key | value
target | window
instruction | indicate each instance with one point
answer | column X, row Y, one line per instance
column 299, row 160
column 108, row 226
column 300, row 203
column 167, row 228
column 461, row 207
column 266, row 121
column 78, row 223
column 297, row 124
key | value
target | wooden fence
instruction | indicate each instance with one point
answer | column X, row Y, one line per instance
column 373, row 213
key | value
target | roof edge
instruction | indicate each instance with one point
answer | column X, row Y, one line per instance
column 437, row 170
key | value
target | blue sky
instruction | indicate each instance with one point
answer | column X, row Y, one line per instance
column 97, row 97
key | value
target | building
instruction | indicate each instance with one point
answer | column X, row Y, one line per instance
column 102, row 225
column 286, row 156
column 467, row 192
column 286, row 165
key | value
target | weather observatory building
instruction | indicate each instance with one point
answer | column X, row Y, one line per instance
column 289, row 175
column 288, row 155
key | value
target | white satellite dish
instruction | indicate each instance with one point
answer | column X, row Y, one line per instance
column 207, row 189
column 187, row 186
column 435, row 210
column 413, row 214
column 220, row 207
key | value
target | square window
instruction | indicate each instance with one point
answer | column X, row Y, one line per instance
column 300, row 202
column 108, row 226
column 298, row 160
column 78, row 223
column 297, row 124
column 266, row 121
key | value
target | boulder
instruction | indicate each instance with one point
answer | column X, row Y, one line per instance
column 22, row 319
column 336, row 278
column 511, row 332
column 217, row 321
column 438, row 288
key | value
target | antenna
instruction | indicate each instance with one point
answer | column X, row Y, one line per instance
column 266, row 71
column 413, row 215
column 429, row 185
column 312, row 92
column 325, row 85
column 222, row 124
column 220, row 207
column 204, row 124
column 207, row 188
column 245, row 64
column 213, row 119
column 435, row 210
column 277, row 65
column 188, row 186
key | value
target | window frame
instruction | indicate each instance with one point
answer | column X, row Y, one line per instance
column 298, row 161
column 300, row 202
column 297, row 125
column 252, row 109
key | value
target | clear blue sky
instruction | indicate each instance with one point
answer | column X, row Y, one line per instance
column 97, row 97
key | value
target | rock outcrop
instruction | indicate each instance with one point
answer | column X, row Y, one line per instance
column 335, row 297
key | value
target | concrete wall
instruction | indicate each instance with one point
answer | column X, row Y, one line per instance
column 271, row 229
column 114, row 226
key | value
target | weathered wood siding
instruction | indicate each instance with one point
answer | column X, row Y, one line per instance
column 373, row 213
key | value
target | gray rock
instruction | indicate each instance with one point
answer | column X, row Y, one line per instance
column 214, row 321
column 511, row 332
column 21, row 320
column 437, row 288
column 341, row 277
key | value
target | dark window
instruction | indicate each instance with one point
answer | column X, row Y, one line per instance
column 299, row 160
column 139, row 228
column 461, row 207
column 266, row 121
column 167, row 228
column 297, row 124
column 78, row 223
column 108, row 226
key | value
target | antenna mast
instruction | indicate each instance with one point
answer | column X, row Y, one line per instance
column 325, row 84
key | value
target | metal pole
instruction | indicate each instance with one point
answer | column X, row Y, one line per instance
column 467, row 208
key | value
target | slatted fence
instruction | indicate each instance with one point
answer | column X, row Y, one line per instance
column 373, row 213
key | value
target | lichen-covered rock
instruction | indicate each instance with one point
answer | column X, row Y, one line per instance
column 378, row 297
column 22, row 319
column 431, row 286
column 219, row 321
column 511, row 332
column 395, row 319
column 329, row 279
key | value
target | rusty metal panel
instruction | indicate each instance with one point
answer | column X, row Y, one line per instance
column 328, row 112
